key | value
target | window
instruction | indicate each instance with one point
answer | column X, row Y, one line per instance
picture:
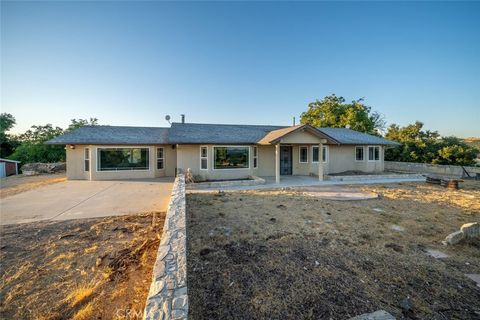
column 359, row 153
column 373, row 153
column 314, row 154
column 87, row 159
column 324, row 154
column 303, row 155
column 203, row 158
column 255, row 157
column 231, row 157
column 116, row 159
column 160, row 159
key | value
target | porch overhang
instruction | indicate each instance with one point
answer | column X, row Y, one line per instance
column 281, row 136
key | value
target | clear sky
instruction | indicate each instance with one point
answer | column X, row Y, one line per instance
column 131, row 63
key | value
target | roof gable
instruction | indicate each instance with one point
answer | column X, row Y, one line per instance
column 288, row 134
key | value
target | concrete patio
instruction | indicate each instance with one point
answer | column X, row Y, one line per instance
column 305, row 181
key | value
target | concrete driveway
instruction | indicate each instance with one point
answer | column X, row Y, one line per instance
column 86, row 199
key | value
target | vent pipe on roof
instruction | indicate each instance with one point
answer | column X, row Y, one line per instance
column 293, row 121
column 183, row 118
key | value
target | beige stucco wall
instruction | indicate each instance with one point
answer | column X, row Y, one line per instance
column 188, row 157
column 339, row 159
column 75, row 164
column 300, row 137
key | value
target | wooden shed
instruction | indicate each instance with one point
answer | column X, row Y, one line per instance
column 8, row 167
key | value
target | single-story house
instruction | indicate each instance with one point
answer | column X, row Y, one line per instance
column 8, row 167
column 218, row 151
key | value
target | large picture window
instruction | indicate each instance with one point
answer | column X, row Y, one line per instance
column 231, row 157
column 117, row 159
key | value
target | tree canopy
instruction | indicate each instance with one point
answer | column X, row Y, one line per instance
column 8, row 142
column 332, row 111
column 31, row 144
column 427, row 146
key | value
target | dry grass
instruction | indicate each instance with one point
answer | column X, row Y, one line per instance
column 78, row 269
column 17, row 184
column 87, row 312
column 279, row 255
column 80, row 294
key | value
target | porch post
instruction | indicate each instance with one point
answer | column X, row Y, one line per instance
column 320, row 162
column 277, row 163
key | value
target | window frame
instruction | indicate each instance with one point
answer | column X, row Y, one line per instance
column 231, row 146
column 363, row 153
column 202, row 157
column 86, row 157
column 373, row 160
column 325, row 152
column 300, row 154
column 98, row 149
column 255, row 157
column 162, row 158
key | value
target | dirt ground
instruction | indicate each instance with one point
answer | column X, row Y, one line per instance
column 285, row 255
column 20, row 183
column 78, row 269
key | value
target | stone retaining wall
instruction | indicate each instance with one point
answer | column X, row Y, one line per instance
column 437, row 169
column 167, row 298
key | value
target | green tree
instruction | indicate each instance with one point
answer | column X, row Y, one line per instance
column 32, row 146
column 77, row 123
column 333, row 112
column 427, row 146
column 34, row 149
column 8, row 142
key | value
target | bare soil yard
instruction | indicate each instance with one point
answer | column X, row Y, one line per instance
column 285, row 255
column 18, row 184
column 78, row 269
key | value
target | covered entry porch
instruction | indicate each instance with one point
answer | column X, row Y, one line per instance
column 298, row 150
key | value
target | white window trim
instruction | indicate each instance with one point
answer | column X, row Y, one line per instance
column 85, row 152
column 313, row 147
column 355, row 155
column 231, row 146
column 201, row 158
column 327, row 154
column 255, row 157
column 163, row 158
column 97, row 165
column 368, row 154
column 300, row 154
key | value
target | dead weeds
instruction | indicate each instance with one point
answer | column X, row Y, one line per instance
column 289, row 256
column 78, row 269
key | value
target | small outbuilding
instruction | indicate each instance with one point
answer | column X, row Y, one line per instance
column 8, row 167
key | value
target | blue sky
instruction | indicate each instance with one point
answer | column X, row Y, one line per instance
column 131, row 63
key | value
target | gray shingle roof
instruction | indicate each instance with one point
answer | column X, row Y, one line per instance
column 112, row 135
column 348, row 136
column 196, row 133
column 184, row 133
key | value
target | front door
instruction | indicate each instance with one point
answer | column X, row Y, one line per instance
column 285, row 160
